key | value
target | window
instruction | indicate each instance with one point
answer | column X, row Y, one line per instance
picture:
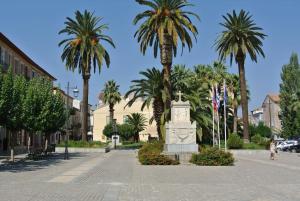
column 125, row 119
column 7, row 58
column 33, row 74
column 1, row 55
column 107, row 119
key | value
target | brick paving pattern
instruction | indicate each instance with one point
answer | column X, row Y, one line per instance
column 117, row 176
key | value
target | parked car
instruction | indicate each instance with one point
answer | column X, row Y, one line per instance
column 295, row 148
column 283, row 146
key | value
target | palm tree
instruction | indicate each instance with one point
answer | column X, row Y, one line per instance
column 240, row 37
column 83, row 50
column 111, row 96
column 234, row 98
column 164, row 24
column 138, row 123
column 150, row 90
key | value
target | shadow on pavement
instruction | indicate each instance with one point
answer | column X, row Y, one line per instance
column 23, row 165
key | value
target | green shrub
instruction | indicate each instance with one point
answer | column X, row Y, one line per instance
column 83, row 144
column 127, row 142
column 150, row 154
column 212, row 157
column 131, row 145
column 234, row 141
column 253, row 146
column 257, row 139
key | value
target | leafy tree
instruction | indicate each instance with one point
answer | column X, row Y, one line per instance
column 165, row 23
column 150, row 89
column 111, row 96
column 289, row 96
column 240, row 37
column 83, row 51
column 12, row 96
column 261, row 129
column 53, row 115
column 138, row 123
column 126, row 131
column 33, row 104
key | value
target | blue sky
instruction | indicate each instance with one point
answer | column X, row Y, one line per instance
column 33, row 25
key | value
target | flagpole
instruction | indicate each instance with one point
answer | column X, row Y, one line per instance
column 219, row 129
column 213, row 127
column 225, row 119
column 213, row 111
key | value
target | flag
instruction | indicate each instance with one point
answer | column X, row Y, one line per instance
column 216, row 99
column 225, row 95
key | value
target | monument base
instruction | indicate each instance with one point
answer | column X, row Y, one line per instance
column 181, row 148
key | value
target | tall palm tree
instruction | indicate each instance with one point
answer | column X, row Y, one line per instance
column 240, row 37
column 111, row 96
column 150, row 90
column 83, row 50
column 138, row 123
column 163, row 25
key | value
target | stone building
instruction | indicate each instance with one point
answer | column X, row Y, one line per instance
column 271, row 111
column 256, row 116
column 101, row 118
column 21, row 64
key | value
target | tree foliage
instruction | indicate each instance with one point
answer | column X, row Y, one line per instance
column 290, row 97
column 240, row 37
column 138, row 123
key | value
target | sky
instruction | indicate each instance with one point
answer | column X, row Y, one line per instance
column 33, row 25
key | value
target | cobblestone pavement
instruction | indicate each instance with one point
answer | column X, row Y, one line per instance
column 118, row 176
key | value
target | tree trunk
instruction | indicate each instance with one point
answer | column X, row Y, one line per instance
column 11, row 144
column 47, row 140
column 136, row 136
column 111, row 113
column 85, row 103
column 235, row 119
column 244, row 101
column 158, row 107
column 166, row 56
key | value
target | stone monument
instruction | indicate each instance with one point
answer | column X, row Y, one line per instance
column 180, row 132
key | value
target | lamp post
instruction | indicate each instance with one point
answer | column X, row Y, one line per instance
column 75, row 93
column 115, row 132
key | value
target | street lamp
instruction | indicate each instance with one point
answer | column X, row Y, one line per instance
column 115, row 132
column 75, row 93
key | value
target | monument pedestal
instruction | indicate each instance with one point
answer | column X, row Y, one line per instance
column 180, row 132
column 180, row 148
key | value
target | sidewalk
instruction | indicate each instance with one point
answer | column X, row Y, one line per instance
column 5, row 157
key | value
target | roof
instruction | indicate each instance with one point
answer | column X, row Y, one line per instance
column 274, row 97
column 62, row 92
column 23, row 55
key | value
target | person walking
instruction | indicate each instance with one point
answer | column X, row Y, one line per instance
column 272, row 150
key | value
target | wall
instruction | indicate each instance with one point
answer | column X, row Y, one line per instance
column 101, row 118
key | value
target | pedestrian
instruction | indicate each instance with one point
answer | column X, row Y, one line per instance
column 272, row 149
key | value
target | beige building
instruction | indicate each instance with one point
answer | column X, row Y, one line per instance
column 271, row 111
column 21, row 64
column 101, row 119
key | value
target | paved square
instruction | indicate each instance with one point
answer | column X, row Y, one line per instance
column 118, row 176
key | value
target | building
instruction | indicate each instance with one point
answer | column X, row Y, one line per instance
column 256, row 116
column 271, row 111
column 101, row 118
column 11, row 55
column 21, row 64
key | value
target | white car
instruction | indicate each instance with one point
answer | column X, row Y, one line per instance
column 286, row 144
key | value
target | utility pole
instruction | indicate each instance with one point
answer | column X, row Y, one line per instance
column 75, row 92
column 270, row 116
column 66, row 156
